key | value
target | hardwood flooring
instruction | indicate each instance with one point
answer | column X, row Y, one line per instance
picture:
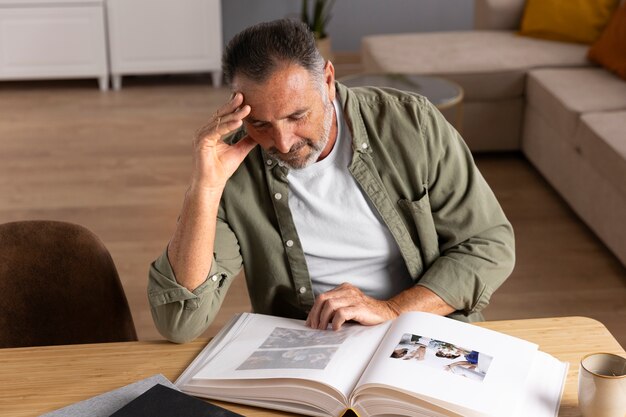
column 118, row 163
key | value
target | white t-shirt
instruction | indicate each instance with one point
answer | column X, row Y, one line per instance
column 342, row 235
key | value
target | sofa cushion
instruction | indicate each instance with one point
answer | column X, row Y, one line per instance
column 566, row 20
column 562, row 95
column 601, row 140
column 498, row 14
column 596, row 200
column 475, row 56
column 610, row 49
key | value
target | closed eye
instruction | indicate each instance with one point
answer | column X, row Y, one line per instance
column 298, row 116
column 259, row 125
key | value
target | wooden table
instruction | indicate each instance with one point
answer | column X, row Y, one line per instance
column 41, row 379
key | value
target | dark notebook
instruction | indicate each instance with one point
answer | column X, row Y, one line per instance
column 163, row 401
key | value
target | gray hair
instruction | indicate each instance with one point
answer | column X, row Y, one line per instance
column 256, row 52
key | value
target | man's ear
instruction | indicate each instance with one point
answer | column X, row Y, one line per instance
column 329, row 79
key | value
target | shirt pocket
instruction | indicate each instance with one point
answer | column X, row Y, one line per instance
column 424, row 223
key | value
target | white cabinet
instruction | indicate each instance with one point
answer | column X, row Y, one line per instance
column 164, row 36
column 47, row 39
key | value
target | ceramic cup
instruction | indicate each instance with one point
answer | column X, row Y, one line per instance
column 602, row 385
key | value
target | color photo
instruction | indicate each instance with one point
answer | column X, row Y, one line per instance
column 434, row 353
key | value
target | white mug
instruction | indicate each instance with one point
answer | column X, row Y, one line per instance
column 602, row 385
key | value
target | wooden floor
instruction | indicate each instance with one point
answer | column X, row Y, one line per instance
column 118, row 163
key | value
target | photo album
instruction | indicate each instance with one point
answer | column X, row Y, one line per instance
column 419, row 364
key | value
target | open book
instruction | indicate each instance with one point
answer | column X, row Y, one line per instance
column 416, row 365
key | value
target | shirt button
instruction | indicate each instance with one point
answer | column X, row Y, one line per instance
column 214, row 277
column 289, row 243
column 364, row 145
column 302, row 290
column 269, row 162
column 278, row 196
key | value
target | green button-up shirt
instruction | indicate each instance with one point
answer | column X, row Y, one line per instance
column 418, row 174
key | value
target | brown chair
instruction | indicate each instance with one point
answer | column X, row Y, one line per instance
column 59, row 285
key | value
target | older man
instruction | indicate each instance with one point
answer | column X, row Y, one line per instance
column 342, row 204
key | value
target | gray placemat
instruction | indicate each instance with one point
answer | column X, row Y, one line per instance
column 106, row 404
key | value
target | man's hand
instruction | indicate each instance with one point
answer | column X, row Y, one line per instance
column 346, row 302
column 191, row 247
column 214, row 160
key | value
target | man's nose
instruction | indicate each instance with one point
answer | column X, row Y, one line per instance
column 283, row 138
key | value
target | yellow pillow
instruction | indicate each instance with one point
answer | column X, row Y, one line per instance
column 567, row 20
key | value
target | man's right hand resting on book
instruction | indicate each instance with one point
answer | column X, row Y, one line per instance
column 347, row 303
column 358, row 204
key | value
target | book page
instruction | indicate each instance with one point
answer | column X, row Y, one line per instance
column 544, row 387
column 266, row 347
column 463, row 368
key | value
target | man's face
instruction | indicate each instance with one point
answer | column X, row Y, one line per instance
column 292, row 116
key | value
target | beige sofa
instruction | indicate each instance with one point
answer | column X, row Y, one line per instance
column 541, row 97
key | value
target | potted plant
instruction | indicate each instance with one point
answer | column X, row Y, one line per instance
column 317, row 20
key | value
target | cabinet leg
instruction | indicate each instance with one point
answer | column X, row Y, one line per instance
column 117, row 82
column 216, row 77
column 103, row 83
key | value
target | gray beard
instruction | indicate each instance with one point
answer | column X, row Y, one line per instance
column 316, row 148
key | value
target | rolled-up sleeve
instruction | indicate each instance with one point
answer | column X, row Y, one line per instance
column 476, row 241
column 181, row 315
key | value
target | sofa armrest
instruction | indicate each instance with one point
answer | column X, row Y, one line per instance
column 498, row 14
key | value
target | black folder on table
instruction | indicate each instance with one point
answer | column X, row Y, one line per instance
column 161, row 401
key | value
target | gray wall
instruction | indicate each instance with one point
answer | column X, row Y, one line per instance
column 353, row 19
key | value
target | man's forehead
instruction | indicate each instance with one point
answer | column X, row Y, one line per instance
column 277, row 98
column 269, row 111
column 289, row 79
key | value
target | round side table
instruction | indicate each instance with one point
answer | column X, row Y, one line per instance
column 443, row 93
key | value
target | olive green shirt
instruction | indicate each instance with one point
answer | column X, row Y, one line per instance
column 416, row 171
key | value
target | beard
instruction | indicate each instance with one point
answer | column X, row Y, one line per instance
column 312, row 149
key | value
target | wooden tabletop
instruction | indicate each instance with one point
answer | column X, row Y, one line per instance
column 41, row 379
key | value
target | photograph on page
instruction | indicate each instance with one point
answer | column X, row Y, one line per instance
column 287, row 348
column 272, row 347
column 449, row 372
column 445, row 356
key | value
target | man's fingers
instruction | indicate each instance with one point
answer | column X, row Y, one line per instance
column 232, row 120
column 313, row 318
column 224, row 120
column 344, row 291
column 219, row 126
column 347, row 303
column 343, row 315
column 230, row 106
column 330, row 308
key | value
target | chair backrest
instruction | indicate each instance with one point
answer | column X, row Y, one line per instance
column 59, row 285
column 498, row 14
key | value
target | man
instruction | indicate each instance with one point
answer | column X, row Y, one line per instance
column 342, row 204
